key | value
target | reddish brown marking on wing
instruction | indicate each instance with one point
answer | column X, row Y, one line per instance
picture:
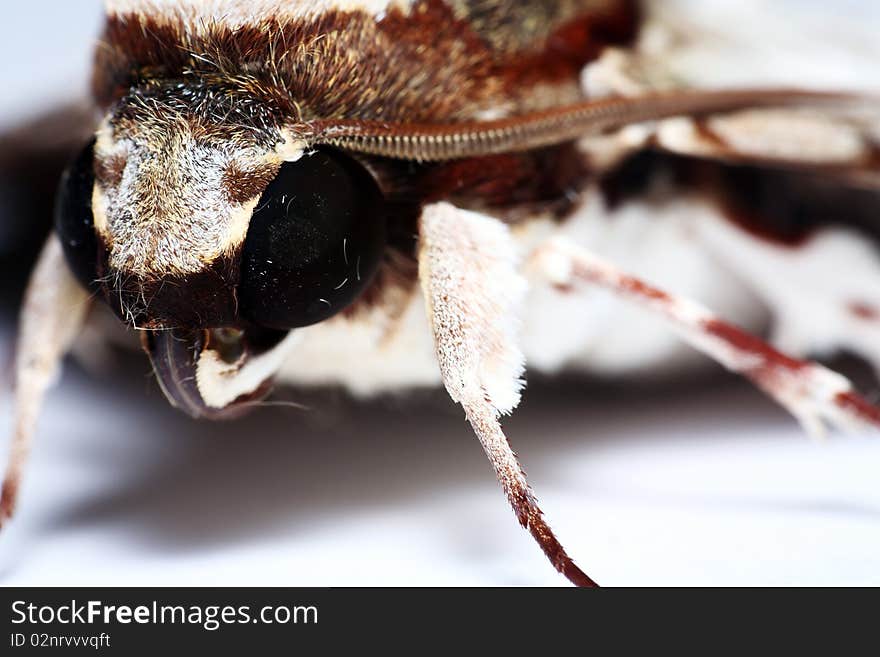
column 542, row 179
column 575, row 44
column 749, row 344
column 784, row 207
column 709, row 135
column 863, row 310
column 565, row 288
column 763, row 228
column 492, row 177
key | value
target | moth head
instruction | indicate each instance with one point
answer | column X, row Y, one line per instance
column 204, row 223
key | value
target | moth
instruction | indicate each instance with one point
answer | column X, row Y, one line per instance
column 384, row 194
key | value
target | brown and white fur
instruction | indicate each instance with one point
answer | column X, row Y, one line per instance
column 202, row 102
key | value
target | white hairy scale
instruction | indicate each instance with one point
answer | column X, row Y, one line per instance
column 468, row 268
column 220, row 383
column 210, row 223
column 185, row 220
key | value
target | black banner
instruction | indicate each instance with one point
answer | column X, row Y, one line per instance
column 261, row 621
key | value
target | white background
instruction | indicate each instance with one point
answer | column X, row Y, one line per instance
column 701, row 483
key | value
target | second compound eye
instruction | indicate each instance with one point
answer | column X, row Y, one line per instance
column 314, row 242
column 74, row 222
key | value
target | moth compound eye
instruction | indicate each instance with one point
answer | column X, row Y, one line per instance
column 314, row 242
column 74, row 222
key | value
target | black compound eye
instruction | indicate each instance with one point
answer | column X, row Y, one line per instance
column 74, row 222
column 314, row 242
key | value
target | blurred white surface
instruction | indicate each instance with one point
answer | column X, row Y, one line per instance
column 710, row 485
column 703, row 485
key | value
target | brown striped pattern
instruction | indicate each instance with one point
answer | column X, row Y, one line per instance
column 434, row 62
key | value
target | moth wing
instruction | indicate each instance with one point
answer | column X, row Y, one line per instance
column 841, row 146
column 687, row 47
column 805, row 183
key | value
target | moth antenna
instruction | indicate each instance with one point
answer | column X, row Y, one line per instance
column 53, row 311
column 815, row 395
column 447, row 141
column 468, row 271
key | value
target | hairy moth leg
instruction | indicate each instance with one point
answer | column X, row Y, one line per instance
column 53, row 311
column 468, row 271
column 815, row 395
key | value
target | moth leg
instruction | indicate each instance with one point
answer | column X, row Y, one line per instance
column 828, row 299
column 53, row 311
column 468, row 271
column 815, row 395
